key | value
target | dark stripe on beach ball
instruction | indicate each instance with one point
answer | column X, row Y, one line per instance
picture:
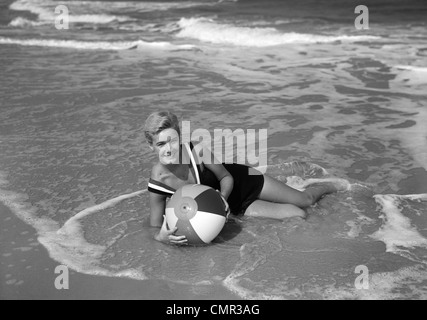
column 193, row 190
column 210, row 201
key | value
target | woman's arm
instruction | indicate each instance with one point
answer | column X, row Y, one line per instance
column 157, row 206
column 224, row 177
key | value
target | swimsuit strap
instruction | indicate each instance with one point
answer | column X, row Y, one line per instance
column 189, row 148
column 160, row 188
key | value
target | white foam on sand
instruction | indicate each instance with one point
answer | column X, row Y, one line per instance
column 414, row 138
column 67, row 244
column 397, row 232
column 23, row 22
column 411, row 75
column 251, row 257
column 18, row 204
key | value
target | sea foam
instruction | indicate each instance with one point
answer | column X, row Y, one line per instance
column 207, row 30
column 397, row 232
column 94, row 12
column 67, row 244
column 96, row 45
column 45, row 11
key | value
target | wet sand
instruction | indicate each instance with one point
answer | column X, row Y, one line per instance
column 28, row 273
column 71, row 138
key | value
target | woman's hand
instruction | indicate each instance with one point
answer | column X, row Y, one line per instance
column 226, row 206
column 168, row 236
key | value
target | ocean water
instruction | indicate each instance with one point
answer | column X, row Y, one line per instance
column 336, row 102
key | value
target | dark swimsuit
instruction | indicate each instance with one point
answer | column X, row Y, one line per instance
column 246, row 188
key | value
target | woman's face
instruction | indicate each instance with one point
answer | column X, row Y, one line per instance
column 167, row 146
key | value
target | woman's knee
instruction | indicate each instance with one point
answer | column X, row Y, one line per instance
column 289, row 211
column 296, row 212
column 278, row 192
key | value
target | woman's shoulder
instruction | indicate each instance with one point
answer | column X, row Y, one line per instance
column 158, row 183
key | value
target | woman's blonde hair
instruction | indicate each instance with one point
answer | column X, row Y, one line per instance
column 159, row 121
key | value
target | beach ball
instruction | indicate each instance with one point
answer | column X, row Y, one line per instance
column 198, row 212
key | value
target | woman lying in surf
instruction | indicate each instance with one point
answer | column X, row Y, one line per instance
column 243, row 189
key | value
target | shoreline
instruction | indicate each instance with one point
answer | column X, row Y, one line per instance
column 71, row 138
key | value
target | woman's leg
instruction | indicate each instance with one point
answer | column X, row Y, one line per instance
column 277, row 191
column 266, row 209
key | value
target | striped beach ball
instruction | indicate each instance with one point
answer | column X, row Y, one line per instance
column 198, row 212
